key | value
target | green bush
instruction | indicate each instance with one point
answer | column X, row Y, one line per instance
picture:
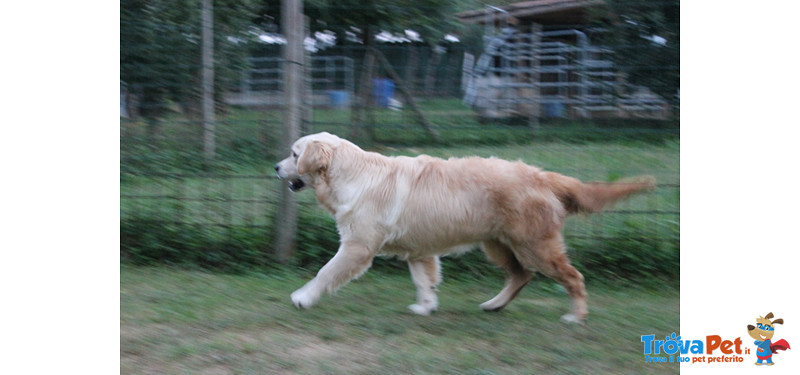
column 317, row 239
column 630, row 253
column 148, row 242
column 626, row 254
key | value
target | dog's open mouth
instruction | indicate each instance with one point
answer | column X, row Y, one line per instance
column 296, row 184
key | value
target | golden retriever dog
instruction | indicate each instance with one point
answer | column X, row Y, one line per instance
column 422, row 207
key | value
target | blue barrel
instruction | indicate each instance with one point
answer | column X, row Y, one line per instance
column 554, row 109
column 382, row 91
column 339, row 98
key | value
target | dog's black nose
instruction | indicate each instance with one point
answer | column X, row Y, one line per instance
column 277, row 168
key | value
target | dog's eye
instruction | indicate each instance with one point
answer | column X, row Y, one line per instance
column 294, row 154
column 760, row 326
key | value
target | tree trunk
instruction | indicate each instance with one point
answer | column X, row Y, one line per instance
column 209, row 117
column 363, row 117
column 430, row 76
column 407, row 95
column 293, row 56
column 411, row 67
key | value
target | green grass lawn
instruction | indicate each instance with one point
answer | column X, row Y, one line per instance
column 182, row 321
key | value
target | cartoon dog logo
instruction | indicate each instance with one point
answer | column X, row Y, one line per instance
column 763, row 332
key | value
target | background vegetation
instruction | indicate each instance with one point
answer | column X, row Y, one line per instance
column 200, row 291
column 176, row 209
column 160, row 39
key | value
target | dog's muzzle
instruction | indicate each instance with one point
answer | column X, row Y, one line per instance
column 296, row 184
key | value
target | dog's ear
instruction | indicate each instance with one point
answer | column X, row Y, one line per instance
column 769, row 316
column 316, row 156
column 777, row 321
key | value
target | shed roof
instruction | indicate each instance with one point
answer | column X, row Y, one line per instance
column 546, row 12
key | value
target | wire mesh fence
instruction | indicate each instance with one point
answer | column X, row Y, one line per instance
column 177, row 205
column 230, row 204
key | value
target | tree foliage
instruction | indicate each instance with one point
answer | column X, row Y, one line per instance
column 645, row 37
column 432, row 19
column 160, row 54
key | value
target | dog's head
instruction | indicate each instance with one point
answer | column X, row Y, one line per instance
column 310, row 156
column 764, row 328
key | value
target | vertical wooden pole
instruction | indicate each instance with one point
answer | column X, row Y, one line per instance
column 293, row 64
column 308, row 89
column 209, row 118
column 536, row 76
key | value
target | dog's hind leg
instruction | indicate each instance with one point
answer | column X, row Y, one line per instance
column 550, row 258
column 516, row 274
column 426, row 273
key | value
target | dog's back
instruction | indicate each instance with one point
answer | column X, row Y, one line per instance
column 446, row 203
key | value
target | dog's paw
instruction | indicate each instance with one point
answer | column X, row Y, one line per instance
column 491, row 306
column 421, row 310
column 571, row 319
column 302, row 299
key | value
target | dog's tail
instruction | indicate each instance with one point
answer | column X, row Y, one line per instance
column 588, row 197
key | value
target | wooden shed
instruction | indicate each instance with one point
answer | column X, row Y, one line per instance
column 539, row 61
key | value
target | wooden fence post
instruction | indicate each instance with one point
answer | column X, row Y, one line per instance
column 536, row 75
column 293, row 66
column 209, row 117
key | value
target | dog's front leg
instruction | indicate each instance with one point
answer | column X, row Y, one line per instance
column 426, row 273
column 352, row 259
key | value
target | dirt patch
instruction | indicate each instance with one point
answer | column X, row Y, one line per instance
column 311, row 354
column 156, row 349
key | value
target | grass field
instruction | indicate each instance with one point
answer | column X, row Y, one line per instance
column 182, row 321
column 177, row 209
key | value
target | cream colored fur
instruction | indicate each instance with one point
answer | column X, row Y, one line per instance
column 423, row 207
